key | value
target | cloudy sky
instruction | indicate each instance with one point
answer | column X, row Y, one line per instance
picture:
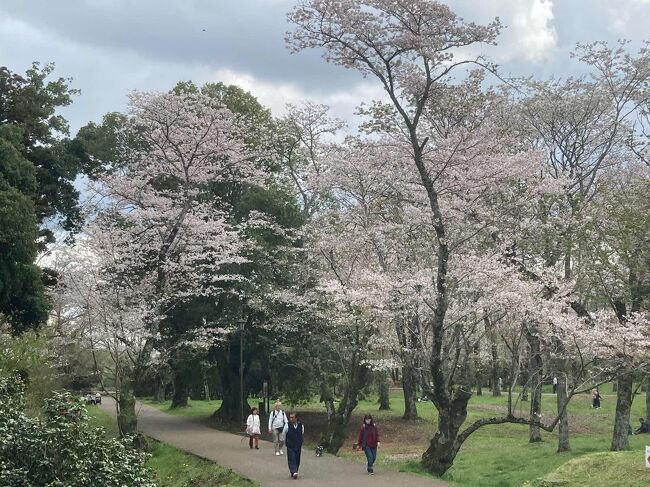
column 112, row 46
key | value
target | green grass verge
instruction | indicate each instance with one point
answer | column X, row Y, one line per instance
column 613, row 469
column 174, row 468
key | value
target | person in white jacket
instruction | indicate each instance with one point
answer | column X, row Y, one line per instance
column 277, row 420
column 253, row 429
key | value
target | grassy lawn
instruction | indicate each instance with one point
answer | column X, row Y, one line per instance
column 613, row 469
column 494, row 456
column 173, row 467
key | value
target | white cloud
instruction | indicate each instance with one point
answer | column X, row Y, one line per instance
column 628, row 17
column 534, row 30
column 275, row 95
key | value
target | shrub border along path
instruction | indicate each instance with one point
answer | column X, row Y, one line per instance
column 262, row 466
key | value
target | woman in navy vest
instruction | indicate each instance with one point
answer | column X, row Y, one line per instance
column 368, row 440
column 293, row 434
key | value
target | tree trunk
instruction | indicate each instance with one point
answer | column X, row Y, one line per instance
column 622, row 416
column 409, row 374
column 127, row 421
column 338, row 418
column 409, row 381
column 494, row 366
column 478, row 372
column 158, row 389
column 384, row 392
column 235, row 401
column 647, row 398
column 444, row 446
column 181, row 391
column 535, row 375
column 206, row 389
column 563, row 424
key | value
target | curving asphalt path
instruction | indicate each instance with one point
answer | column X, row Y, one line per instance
column 262, row 466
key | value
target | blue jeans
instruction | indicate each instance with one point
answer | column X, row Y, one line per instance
column 371, row 455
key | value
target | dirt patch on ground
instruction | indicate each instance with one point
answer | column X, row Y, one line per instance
column 394, row 430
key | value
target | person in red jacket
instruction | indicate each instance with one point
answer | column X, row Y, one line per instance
column 368, row 440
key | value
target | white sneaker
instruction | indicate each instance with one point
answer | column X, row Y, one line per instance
column 277, row 453
column 281, row 452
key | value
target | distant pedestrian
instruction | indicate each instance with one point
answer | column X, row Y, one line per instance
column 293, row 433
column 554, row 385
column 644, row 427
column 368, row 441
column 595, row 398
column 277, row 422
column 253, row 429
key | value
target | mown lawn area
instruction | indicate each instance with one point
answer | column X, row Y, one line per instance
column 495, row 456
column 174, row 468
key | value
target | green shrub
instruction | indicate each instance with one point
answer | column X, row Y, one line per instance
column 61, row 448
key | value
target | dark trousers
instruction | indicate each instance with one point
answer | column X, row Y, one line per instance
column 554, row 388
column 371, row 456
column 293, row 458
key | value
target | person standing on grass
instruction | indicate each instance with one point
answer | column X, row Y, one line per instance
column 554, row 385
column 595, row 398
column 368, row 441
column 277, row 422
column 253, row 429
column 293, row 434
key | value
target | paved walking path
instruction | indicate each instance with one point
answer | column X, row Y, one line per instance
column 262, row 466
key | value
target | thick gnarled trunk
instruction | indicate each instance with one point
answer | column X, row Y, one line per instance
column 234, row 405
column 622, row 416
column 444, row 446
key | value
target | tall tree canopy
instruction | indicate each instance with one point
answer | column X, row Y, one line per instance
column 38, row 166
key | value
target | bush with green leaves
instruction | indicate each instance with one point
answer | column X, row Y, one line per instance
column 61, row 448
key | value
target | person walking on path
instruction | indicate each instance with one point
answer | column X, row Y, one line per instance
column 293, row 434
column 277, row 422
column 253, row 429
column 368, row 441
column 554, row 385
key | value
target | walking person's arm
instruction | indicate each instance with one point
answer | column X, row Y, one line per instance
column 270, row 421
column 377, row 435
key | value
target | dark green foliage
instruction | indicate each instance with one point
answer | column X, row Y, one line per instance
column 37, row 172
column 61, row 449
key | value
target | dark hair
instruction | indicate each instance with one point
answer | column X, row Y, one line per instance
column 293, row 413
column 253, row 409
column 368, row 416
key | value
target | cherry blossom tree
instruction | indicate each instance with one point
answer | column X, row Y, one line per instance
column 170, row 237
column 584, row 126
column 464, row 176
